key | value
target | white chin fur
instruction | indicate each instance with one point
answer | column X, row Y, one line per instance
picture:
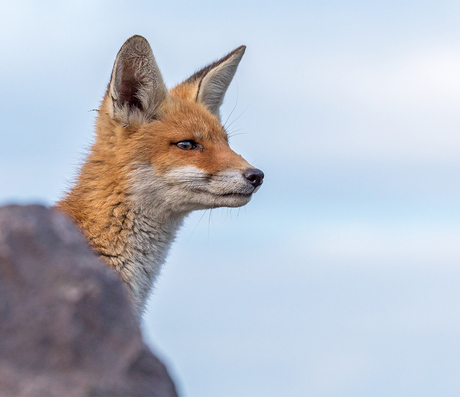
column 229, row 201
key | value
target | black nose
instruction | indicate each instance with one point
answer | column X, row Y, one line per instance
column 254, row 176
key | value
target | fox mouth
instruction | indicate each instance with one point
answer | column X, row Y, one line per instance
column 245, row 195
column 228, row 194
column 239, row 194
column 234, row 194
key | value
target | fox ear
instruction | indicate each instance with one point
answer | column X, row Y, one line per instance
column 136, row 88
column 212, row 81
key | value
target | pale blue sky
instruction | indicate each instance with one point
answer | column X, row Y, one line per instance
column 341, row 277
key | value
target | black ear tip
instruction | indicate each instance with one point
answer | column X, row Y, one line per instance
column 136, row 44
column 239, row 51
column 135, row 38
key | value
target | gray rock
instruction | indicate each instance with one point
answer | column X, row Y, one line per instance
column 66, row 325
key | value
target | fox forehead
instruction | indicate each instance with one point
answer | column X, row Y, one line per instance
column 185, row 120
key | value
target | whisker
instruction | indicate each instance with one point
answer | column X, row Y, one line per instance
column 231, row 135
column 209, row 221
column 234, row 107
column 244, row 111
column 198, row 223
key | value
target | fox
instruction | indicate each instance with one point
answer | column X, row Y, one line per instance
column 158, row 155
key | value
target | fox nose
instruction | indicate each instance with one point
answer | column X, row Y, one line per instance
column 254, row 176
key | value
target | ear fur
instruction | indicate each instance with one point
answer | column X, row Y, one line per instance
column 136, row 87
column 211, row 82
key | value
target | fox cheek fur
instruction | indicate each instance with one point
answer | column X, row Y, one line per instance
column 157, row 156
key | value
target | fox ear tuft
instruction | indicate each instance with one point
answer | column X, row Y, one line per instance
column 136, row 88
column 213, row 80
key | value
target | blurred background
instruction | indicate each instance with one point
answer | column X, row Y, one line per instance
column 341, row 277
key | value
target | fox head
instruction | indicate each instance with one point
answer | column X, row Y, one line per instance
column 171, row 145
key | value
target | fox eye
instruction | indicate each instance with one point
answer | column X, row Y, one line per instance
column 188, row 145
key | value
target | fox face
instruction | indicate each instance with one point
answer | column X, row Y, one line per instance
column 180, row 156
